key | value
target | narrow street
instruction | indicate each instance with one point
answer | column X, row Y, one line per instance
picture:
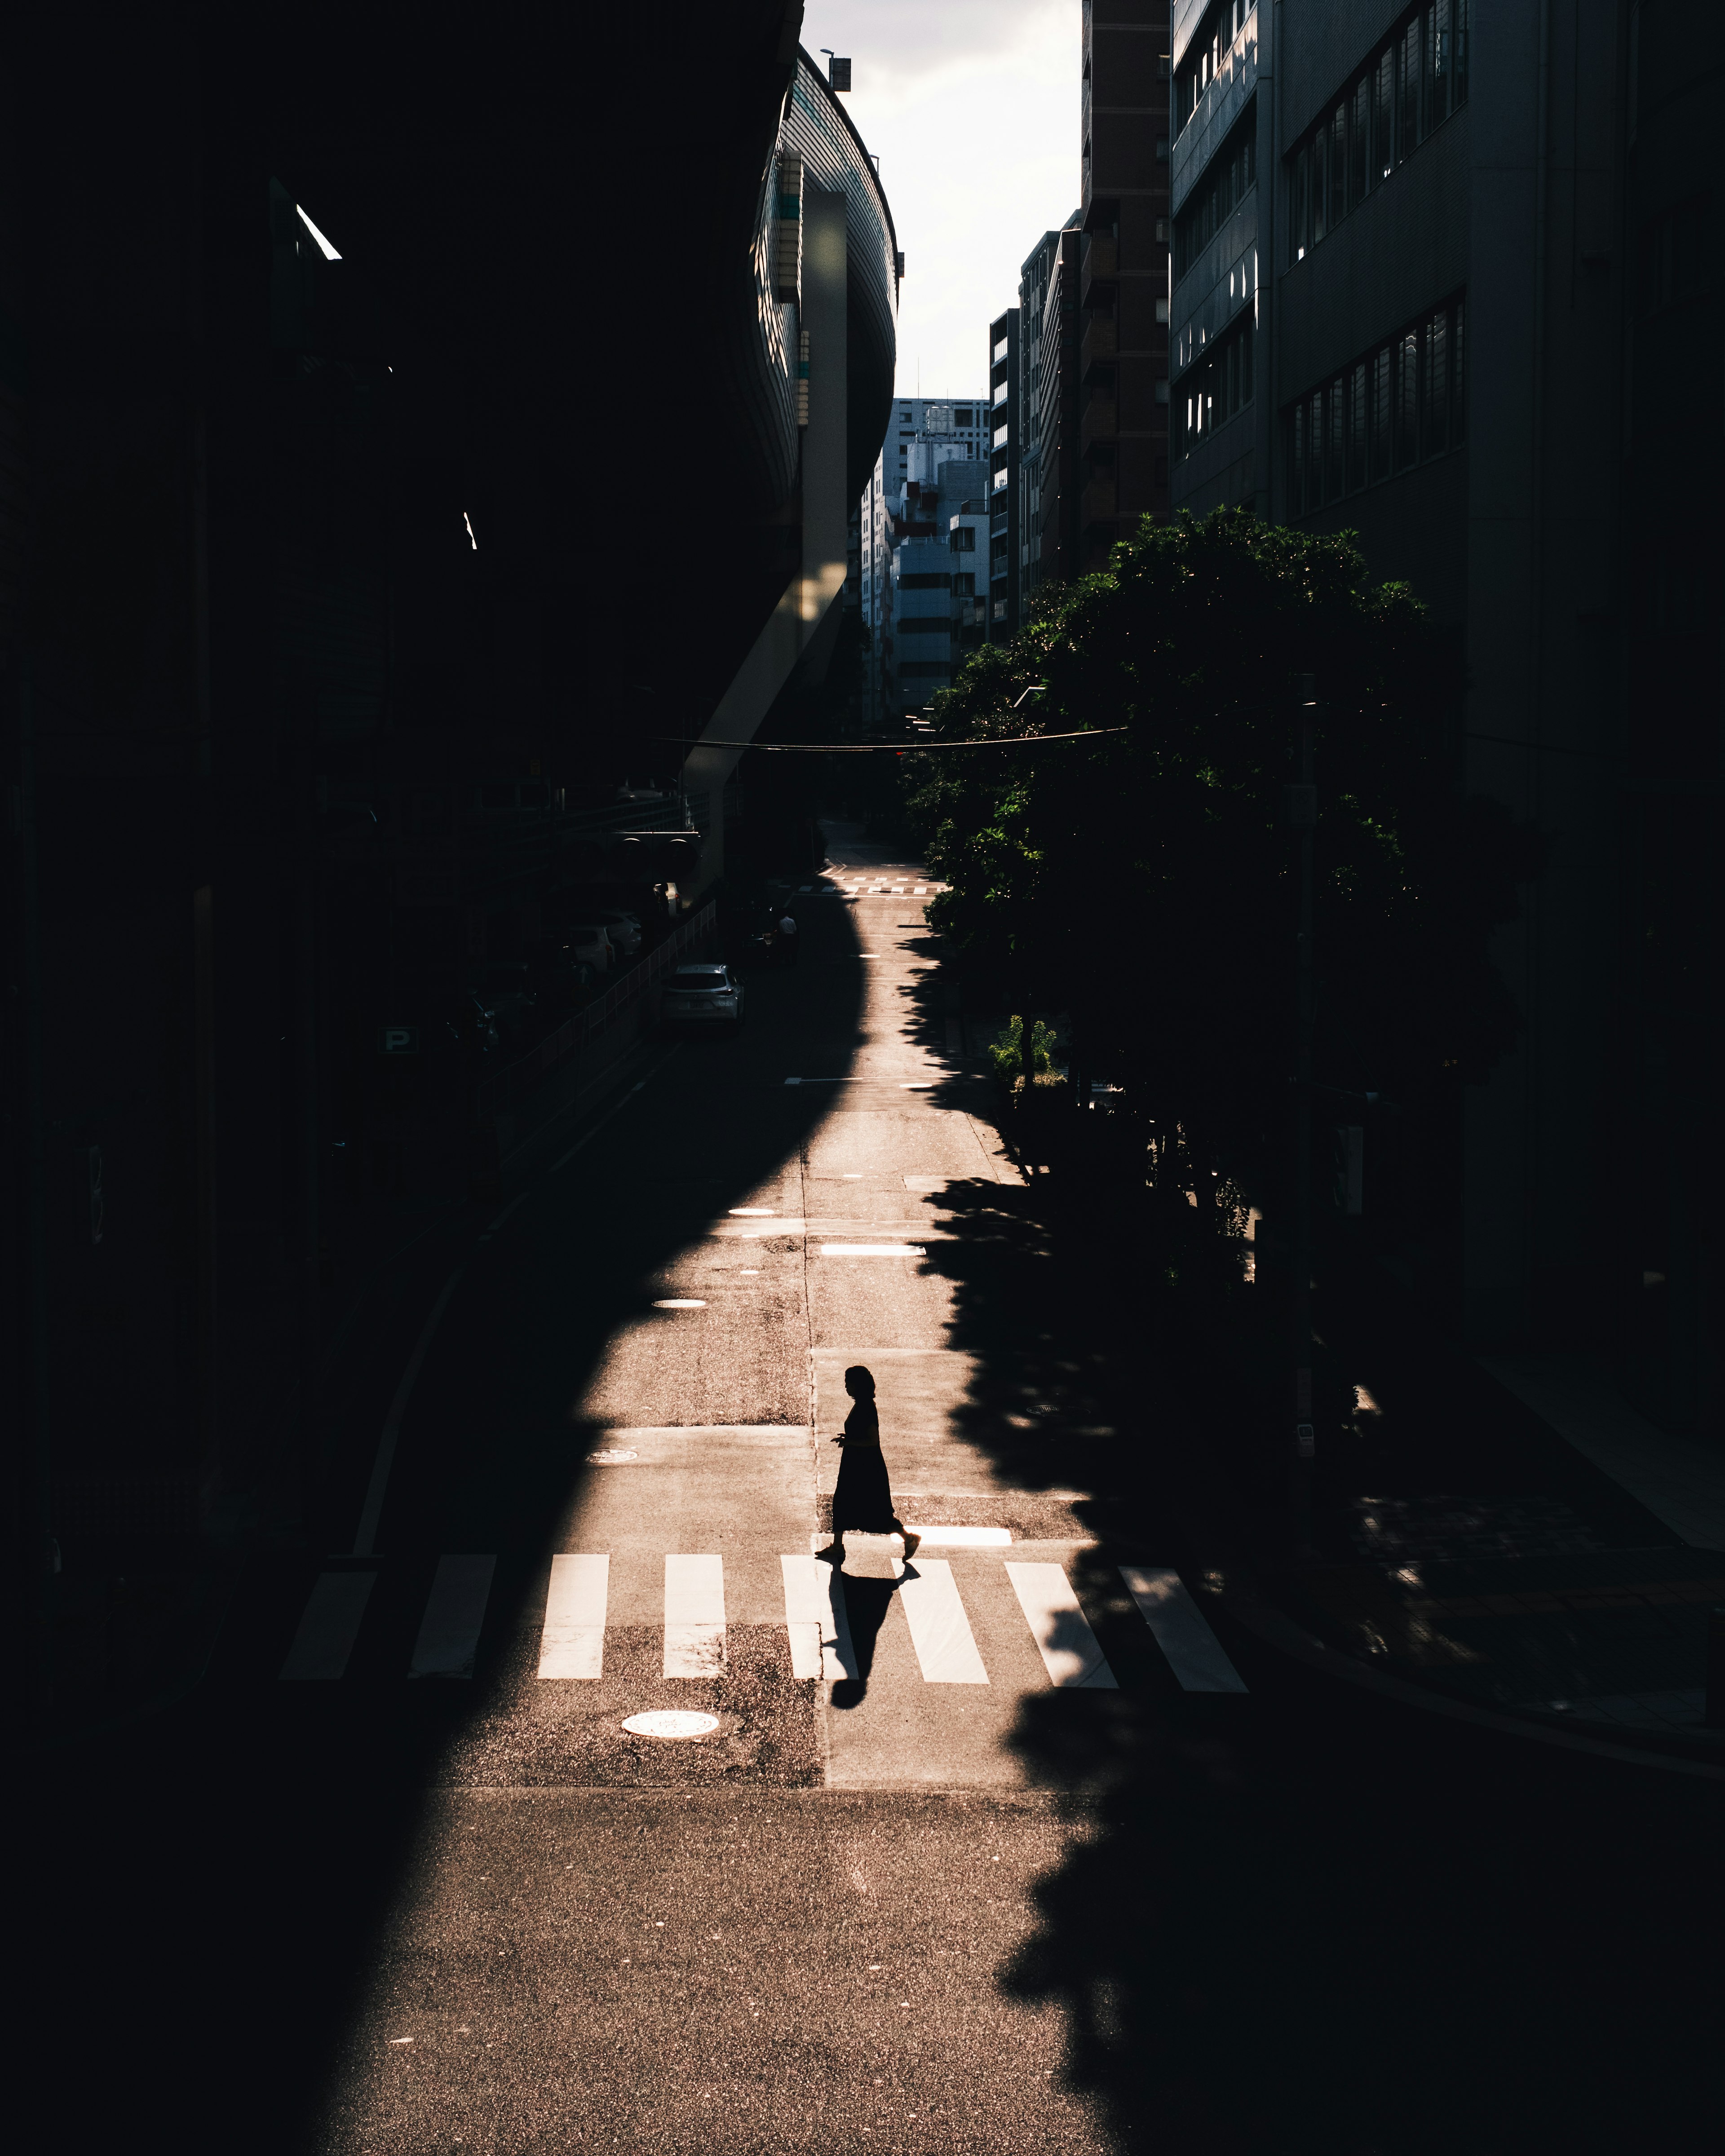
column 1027, row 1851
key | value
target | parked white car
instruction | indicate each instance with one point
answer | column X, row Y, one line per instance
column 589, row 943
column 624, row 931
column 703, row 996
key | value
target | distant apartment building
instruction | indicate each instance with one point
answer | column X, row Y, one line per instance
column 1122, row 467
column 923, row 434
column 941, row 509
column 1417, row 250
column 1033, row 280
column 1000, row 586
column 1055, row 535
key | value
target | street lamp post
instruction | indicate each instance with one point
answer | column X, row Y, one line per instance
column 1302, row 815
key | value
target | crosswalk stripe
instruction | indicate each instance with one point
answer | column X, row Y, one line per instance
column 805, row 1613
column 454, row 1611
column 1194, row 1654
column 693, row 1616
column 940, row 1631
column 1070, row 1650
column 572, row 1644
column 329, row 1625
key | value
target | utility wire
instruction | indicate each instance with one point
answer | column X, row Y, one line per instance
column 896, row 748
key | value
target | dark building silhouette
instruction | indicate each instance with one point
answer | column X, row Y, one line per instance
column 335, row 674
column 1056, row 529
column 1123, row 288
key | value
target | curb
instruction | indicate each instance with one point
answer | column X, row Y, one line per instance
column 1247, row 1605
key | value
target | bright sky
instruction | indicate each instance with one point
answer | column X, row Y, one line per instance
column 972, row 109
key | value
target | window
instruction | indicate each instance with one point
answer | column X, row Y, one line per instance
column 1217, row 388
column 1207, row 56
column 1231, row 174
column 964, row 586
column 1401, row 405
column 961, row 418
column 1411, row 85
column 962, row 539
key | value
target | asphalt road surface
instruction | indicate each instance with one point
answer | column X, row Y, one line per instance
column 1022, row 1851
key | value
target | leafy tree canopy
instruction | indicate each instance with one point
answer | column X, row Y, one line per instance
column 1148, row 882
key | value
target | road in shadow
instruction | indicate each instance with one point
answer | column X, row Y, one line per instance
column 205, row 1892
column 1304, row 1919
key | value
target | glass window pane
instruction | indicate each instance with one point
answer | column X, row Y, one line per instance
column 1359, row 162
column 1380, row 413
column 1315, row 450
column 1338, row 165
column 1458, row 373
column 1335, row 473
column 1357, row 428
column 1248, row 343
column 1407, row 129
column 1438, row 49
column 1407, row 400
column 1320, row 185
column 1458, row 64
column 1296, row 460
column 1437, row 385
column 1383, row 119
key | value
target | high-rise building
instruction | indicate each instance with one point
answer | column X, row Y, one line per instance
column 1034, row 278
column 1416, row 252
column 1000, row 586
column 932, row 577
column 924, row 434
column 1054, row 536
column 1122, row 451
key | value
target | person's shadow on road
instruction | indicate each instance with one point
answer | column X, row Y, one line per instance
column 866, row 1603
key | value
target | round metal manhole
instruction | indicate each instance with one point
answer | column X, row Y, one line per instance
column 672, row 1721
column 679, row 1302
column 610, row 1459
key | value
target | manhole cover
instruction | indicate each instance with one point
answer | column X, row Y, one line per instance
column 672, row 1721
column 610, row 1459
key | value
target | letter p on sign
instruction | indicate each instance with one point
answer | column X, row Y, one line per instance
column 400, row 1041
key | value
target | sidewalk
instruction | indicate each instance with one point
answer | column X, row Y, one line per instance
column 1512, row 1532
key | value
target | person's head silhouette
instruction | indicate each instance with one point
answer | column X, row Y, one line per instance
column 859, row 1382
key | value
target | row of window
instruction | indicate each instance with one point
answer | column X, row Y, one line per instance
column 1218, row 194
column 1202, row 59
column 1220, row 386
column 1410, row 86
column 1400, row 405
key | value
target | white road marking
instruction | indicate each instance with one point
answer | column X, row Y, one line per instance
column 572, row 1644
column 814, row 1596
column 807, row 1613
column 940, row 1631
column 920, row 891
column 751, row 1213
column 1194, row 1653
column 873, row 1251
column 679, row 1302
column 449, row 1629
column 329, row 1625
column 365, row 1539
column 938, row 1537
column 693, row 1616
column 1070, row 1650
column 793, row 1082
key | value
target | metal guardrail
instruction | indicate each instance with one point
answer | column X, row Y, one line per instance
column 503, row 1087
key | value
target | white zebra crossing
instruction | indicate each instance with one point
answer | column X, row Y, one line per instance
column 571, row 1642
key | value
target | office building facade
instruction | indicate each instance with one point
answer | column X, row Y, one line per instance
column 1416, row 252
column 1001, row 585
column 1122, row 466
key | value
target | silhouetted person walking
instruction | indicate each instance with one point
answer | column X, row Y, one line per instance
column 786, row 939
column 863, row 1499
